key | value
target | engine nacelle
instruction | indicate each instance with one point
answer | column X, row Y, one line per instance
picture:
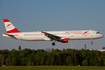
column 64, row 40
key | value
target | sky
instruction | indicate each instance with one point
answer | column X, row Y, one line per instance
column 52, row 15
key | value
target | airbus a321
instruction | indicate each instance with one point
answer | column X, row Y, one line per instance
column 60, row 36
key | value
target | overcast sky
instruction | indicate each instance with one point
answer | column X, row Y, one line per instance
column 52, row 15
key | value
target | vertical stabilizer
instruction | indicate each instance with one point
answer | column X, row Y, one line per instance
column 10, row 28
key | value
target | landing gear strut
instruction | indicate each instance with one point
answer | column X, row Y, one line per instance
column 53, row 44
column 91, row 41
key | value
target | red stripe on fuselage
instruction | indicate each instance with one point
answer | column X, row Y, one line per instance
column 13, row 31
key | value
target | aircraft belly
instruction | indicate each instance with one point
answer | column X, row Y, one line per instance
column 33, row 38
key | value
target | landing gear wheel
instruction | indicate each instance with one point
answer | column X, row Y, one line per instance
column 53, row 44
column 91, row 42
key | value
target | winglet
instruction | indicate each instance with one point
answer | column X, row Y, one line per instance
column 41, row 31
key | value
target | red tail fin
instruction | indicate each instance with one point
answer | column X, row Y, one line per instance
column 10, row 28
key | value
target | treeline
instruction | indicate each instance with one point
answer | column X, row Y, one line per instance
column 69, row 57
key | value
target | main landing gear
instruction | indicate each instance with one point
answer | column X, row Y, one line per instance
column 53, row 43
column 91, row 41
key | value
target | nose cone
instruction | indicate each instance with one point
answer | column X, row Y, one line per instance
column 101, row 35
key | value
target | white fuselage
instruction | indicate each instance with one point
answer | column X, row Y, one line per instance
column 71, row 35
column 60, row 36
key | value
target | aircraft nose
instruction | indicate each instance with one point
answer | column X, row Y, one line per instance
column 101, row 35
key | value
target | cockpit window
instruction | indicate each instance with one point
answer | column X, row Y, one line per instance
column 97, row 32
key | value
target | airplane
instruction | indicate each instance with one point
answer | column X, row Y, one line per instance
column 59, row 36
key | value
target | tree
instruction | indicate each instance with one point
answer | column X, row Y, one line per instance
column 58, row 59
column 19, row 48
column 69, row 61
column 2, row 56
column 96, row 62
column 37, row 58
column 101, row 62
column 6, row 51
column 8, row 61
column 42, row 56
column 14, row 53
column 30, row 59
column 76, row 59
column 85, row 62
column 23, row 61
column 52, row 58
column 55, row 57
column 84, row 54
column 14, row 61
column 26, row 51
column 91, row 62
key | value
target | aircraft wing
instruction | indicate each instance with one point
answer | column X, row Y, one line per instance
column 51, row 36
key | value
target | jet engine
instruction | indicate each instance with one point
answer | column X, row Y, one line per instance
column 64, row 40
